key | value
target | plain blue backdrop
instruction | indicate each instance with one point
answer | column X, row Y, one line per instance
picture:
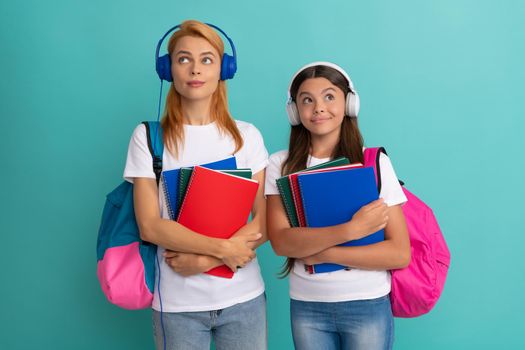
column 441, row 85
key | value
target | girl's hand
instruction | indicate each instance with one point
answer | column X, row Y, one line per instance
column 237, row 252
column 313, row 259
column 321, row 257
column 369, row 219
column 188, row 264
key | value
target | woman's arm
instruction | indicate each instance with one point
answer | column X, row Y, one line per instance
column 171, row 235
column 188, row 264
column 392, row 253
column 258, row 222
column 300, row 242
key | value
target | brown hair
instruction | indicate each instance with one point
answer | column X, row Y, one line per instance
column 172, row 120
column 350, row 140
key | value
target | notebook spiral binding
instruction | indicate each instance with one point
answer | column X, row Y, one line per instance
column 187, row 190
column 303, row 203
column 171, row 212
column 286, row 203
column 181, row 195
column 298, row 202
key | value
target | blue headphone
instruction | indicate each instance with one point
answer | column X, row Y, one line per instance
column 163, row 64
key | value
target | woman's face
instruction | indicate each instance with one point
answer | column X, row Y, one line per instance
column 321, row 106
column 195, row 67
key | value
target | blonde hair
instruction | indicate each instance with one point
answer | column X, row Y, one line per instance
column 172, row 120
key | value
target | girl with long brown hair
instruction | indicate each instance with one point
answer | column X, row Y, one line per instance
column 345, row 309
column 189, row 307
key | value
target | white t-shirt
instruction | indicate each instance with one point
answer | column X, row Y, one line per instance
column 341, row 285
column 203, row 144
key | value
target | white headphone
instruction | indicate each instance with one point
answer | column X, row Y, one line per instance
column 352, row 98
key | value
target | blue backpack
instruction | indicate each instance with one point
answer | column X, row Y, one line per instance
column 126, row 263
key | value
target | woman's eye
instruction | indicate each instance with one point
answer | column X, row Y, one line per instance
column 329, row 97
column 207, row 60
column 307, row 100
column 183, row 59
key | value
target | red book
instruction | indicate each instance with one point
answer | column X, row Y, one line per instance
column 217, row 205
column 296, row 192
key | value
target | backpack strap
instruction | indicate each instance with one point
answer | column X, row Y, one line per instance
column 155, row 145
column 371, row 158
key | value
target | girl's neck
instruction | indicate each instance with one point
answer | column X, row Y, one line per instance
column 322, row 146
column 196, row 112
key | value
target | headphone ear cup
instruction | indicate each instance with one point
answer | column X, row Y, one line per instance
column 352, row 104
column 293, row 113
column 228, row 67
column 163, row 67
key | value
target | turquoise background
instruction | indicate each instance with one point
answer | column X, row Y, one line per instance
column 441, row 85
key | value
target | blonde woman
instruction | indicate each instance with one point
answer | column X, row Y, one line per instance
column 197, row 129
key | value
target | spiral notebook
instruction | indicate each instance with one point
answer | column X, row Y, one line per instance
column 217, row 205
column 170, row 181
column 285, row 191
column 333, row 197
column 296, row 191
column 185, row 175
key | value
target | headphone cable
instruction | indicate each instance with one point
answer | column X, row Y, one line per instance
column 156, row 255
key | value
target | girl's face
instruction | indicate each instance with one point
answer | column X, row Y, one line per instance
column 195, row 67
column 321, row 106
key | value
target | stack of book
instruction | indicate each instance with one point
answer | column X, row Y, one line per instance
column 326, row 195
column 214, row 199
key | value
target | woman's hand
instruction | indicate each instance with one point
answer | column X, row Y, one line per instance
column 237, row 252
column 188, row 264
column 248, row 229
column 369, row 219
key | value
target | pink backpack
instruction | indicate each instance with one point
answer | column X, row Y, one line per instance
column 416, row 288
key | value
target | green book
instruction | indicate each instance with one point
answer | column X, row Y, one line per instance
column 283, row 184
column 185, row 175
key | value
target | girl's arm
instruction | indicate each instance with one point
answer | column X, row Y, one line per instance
column 171, row 235
column 392, row 253
column 188, row 264
column 301, row 242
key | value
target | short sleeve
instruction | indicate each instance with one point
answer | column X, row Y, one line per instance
column 255, row 151
column 139, row 162
column 273, row 172
column 391, row 190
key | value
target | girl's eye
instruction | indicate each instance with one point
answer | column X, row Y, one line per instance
column 329, row 97
column 307, row 100
column 183, row 59
column 207, row 60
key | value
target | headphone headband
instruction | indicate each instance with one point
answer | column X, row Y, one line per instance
column 228, row 64
column 326, row 64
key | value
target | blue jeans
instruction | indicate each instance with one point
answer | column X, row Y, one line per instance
column 238, row 327
column 359, row 324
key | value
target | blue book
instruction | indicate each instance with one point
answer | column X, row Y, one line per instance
column 170, row 178
column 333, row 197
